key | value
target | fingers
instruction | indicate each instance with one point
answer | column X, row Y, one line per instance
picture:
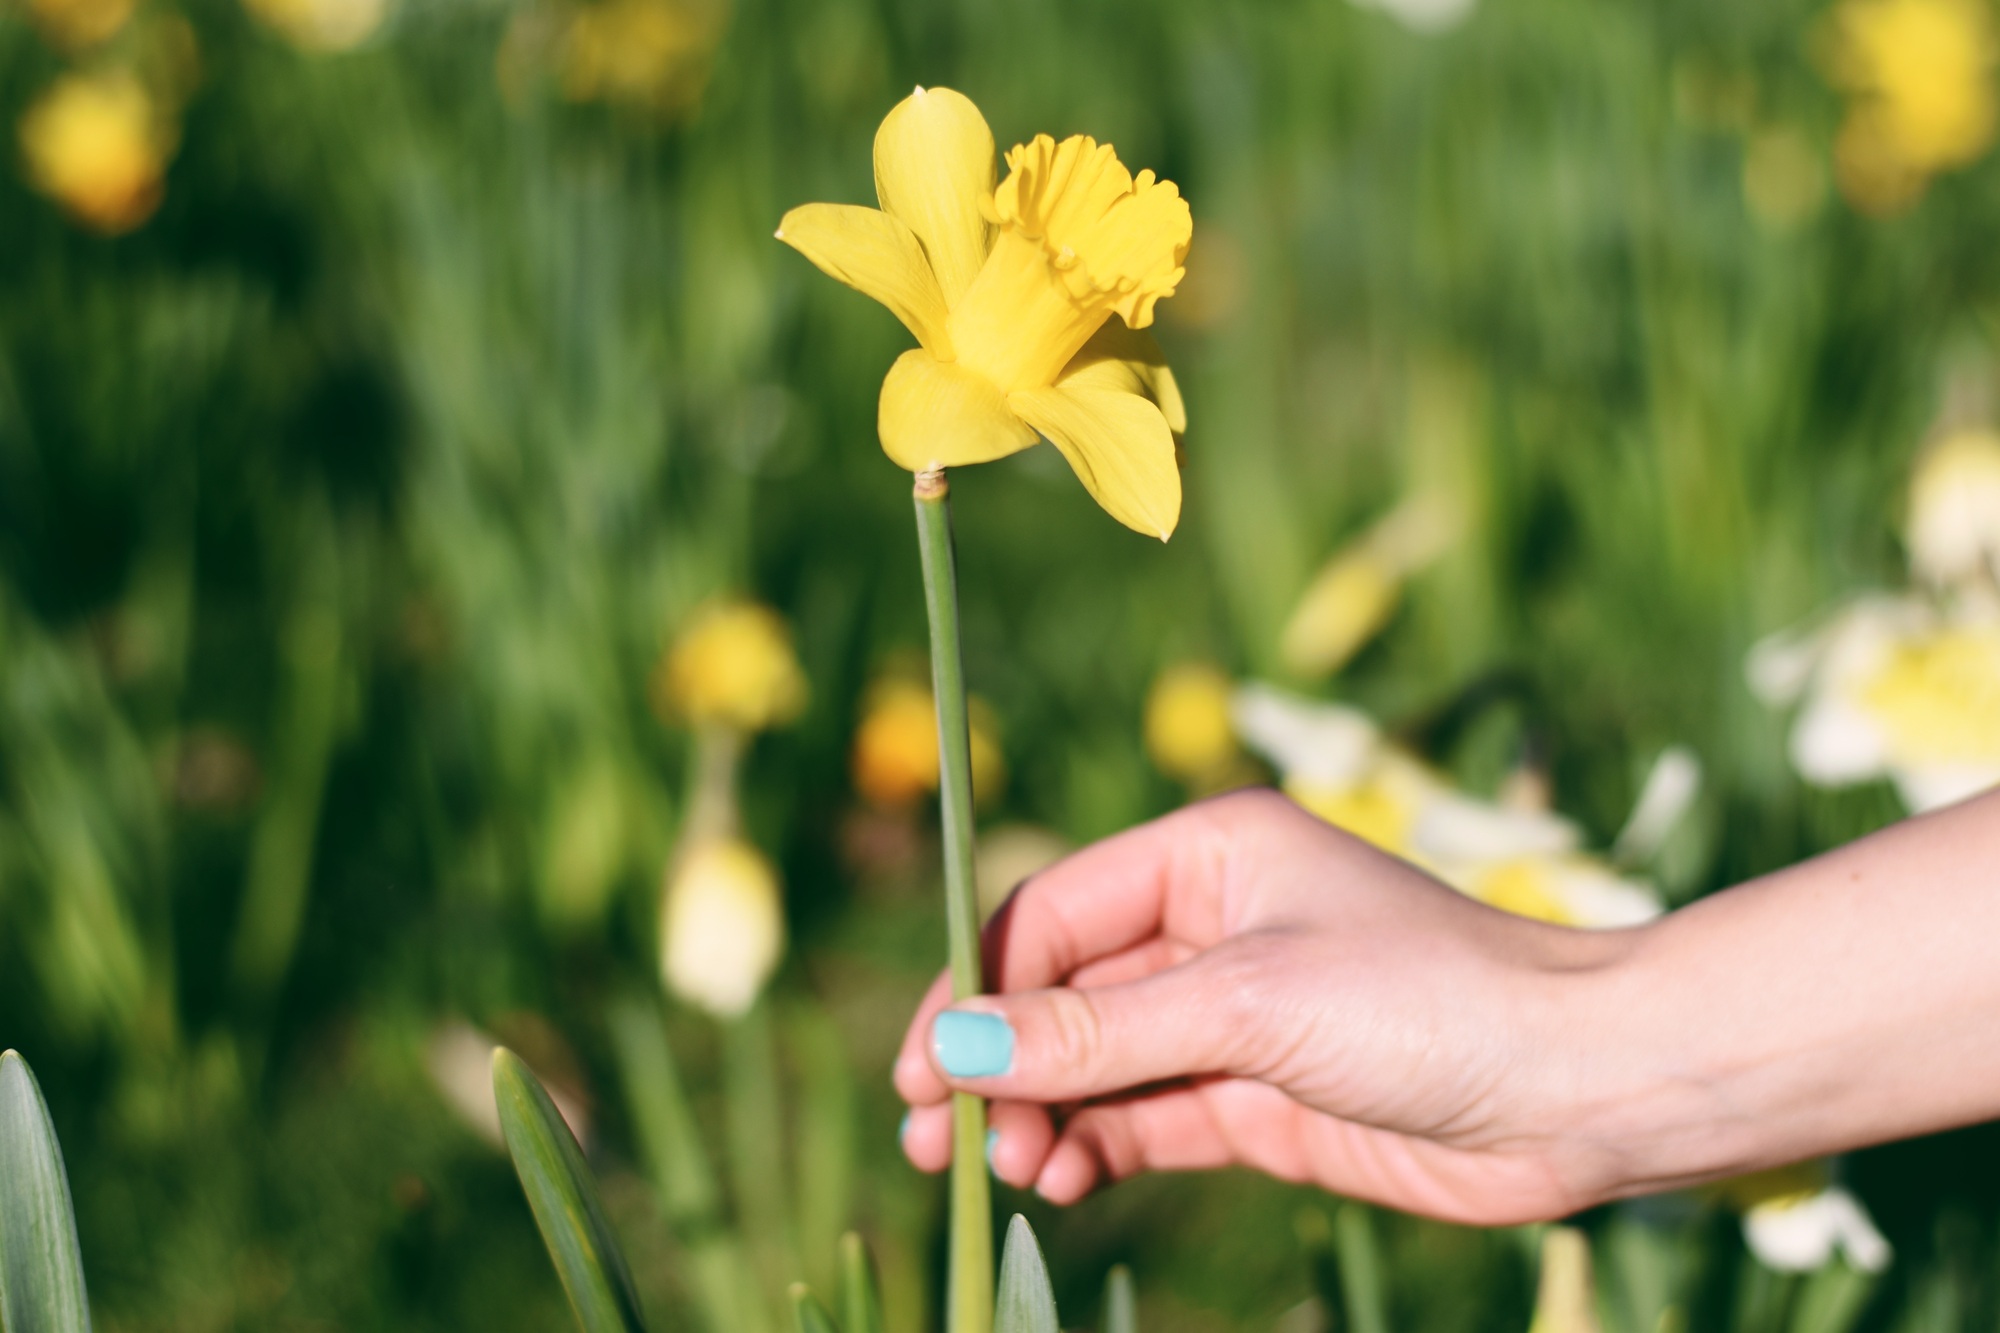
column 1134, row 903
column 1066, row 1044
column 1167, row 877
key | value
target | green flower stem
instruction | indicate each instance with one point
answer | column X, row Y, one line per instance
column 970, row 1298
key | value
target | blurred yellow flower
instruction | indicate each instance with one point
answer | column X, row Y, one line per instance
column 1795, row 1219
column 322, row 25
column 1011, row 291
column 75, row 24
column 1333, row 760
column 1784, row 181
column 97, row 145
column 1954, row 524
column 1187, row 727
column 722, row 926
column 652, row 54
column 1352, row 597
column 895, row 758
column 1566, row 1299
column 731, row 665
column 1920, row 77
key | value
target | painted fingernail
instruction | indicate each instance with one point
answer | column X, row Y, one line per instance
column 970, row 1045
column 903, row 1130
column 992, row 1146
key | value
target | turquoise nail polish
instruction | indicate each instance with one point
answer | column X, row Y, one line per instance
column 992, row 1146
column 903, row 1130
column 970, row 1045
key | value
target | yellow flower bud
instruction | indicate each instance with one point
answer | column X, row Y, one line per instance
column 1567, row 1299
column 1188, row 731
column 322, row 25
column 1352, row 597
column 733, row 665
column 722, row 927
column 96, row 144
column 895, row 758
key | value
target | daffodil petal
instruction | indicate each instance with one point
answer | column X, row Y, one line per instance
column 876, row 255
column 933, row 169
column 939, row 414
column 1120, row 445
column 1117, row 357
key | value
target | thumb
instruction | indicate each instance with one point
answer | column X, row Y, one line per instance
column 1067, row 1043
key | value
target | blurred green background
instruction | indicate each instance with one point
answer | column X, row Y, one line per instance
column 381, row 388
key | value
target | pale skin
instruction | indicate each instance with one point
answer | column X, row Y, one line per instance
column 1241, row 984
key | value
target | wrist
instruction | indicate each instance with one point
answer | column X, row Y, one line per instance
column 1644, row 1101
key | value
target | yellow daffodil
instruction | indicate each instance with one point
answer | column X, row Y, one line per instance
column 895, row 759
column 322, row 25
column 1011, row 293
column 1954, row 522
column 732, row 665
column 97, row 145
column 1920, row 75
column 1187, row 726
column 722, row 927
column 1892, row 687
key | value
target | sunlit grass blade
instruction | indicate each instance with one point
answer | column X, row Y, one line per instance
column 41, row 1265
column 1121, row 1302
column 1567, row 1299
column 860, row 1292
column 564, row 1199
column 669, row 1137
column 1359, row 1254
column 1026, row 1302
column 1832, row 1299
column 808, row 1315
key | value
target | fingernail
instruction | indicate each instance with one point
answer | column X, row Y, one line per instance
column 971, row 1045
column 903, row 1130
column 992, row 1146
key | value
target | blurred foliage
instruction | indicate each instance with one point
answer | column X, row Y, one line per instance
column 381, row 388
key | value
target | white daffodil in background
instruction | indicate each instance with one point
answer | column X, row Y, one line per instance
column 1907, row 685
column 1953, row 533
column 1333, row 760
column 1892, row 686
column 723, row 926
column 1796, row 1219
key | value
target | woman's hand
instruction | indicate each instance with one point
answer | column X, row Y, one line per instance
column 1240, row 983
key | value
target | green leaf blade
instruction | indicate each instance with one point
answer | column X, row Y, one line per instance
column 41, row 1264
column 564, row 1199
column 1121, row 1302
column 1026, row 1302
column 808, row 1315
column 860, row 1292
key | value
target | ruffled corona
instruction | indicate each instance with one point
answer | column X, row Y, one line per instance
column 1011, row 292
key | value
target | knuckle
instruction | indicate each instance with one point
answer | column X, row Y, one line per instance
column 1076, row 1031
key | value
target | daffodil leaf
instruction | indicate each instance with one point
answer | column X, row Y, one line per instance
column 808, row 1315
column 1025, row 1303
column 564, row 1198
column 1121, row 1302
column 860, row 1293
column 41, row 1265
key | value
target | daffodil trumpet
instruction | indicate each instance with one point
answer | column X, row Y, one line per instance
column 1028, row 299
column 970, row 1293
